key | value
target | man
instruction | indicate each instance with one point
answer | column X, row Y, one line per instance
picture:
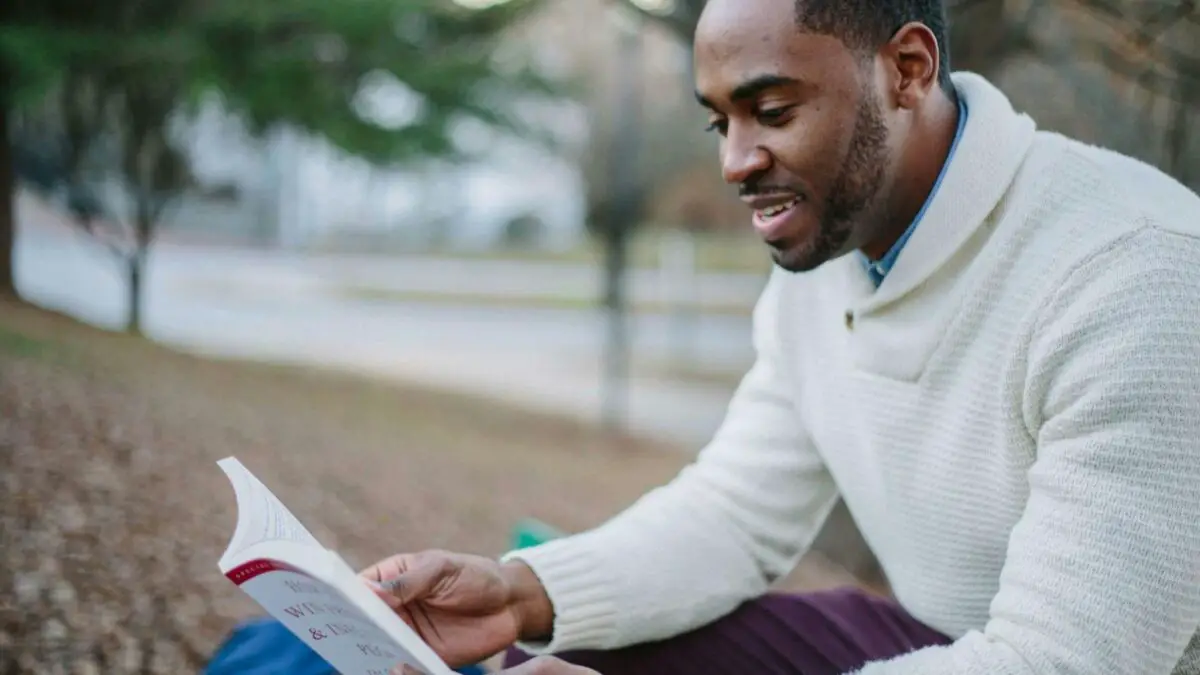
column 984, row 338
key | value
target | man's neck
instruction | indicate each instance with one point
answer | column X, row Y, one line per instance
column 923, row 156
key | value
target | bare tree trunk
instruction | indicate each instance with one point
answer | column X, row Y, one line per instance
column 135, row 268
column 618, row 231
column 1179, row 139
column 616, row 358
column 8, row 197
column 143, row 229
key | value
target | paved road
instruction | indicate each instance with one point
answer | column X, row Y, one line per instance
column 273, row 305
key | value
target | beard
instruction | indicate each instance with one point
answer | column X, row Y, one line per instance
column 853, row 194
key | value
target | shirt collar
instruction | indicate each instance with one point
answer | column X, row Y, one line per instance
column 878, row 269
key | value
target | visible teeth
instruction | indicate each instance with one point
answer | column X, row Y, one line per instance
column 776, row 210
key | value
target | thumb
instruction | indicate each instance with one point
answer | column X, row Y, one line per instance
column 416, row 583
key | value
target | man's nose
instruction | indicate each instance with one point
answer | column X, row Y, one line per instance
column 742, row 158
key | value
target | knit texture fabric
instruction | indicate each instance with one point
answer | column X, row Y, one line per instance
column 1012, row 418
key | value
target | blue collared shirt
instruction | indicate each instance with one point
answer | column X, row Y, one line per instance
column 878, row 269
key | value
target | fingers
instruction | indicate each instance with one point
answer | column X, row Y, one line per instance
column 420, row 581
column 387, row 596
column 388, row 568
column 402, row 579
column 378, row 575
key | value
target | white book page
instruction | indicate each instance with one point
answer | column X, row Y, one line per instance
column 330, row 609
column 277, row 562
column 261, row 516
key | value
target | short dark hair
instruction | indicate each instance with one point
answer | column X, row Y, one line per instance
column 867, row 24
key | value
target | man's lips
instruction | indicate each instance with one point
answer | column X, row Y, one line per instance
column 773, row 214
column 772, row 204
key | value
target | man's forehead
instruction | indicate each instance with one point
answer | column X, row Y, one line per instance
column 731, row 26
column 731, row 67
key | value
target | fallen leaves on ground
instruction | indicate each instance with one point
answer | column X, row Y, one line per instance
column 113, row 512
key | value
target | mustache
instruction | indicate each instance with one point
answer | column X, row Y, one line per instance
column 751, row 189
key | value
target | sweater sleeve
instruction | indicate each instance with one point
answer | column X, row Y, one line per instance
column 718, row 534
column 1103, row 569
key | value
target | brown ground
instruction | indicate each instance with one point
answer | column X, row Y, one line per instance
column 113, row 512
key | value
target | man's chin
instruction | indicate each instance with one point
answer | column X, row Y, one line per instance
column 798, row 258
column 805, row 254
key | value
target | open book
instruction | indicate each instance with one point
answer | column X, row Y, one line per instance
column 312, row 591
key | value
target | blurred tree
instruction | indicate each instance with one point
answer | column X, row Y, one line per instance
column 625, row 73
column 99, row 87
column 617, row 206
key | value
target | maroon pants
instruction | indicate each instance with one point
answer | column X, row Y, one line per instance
column 824, row 633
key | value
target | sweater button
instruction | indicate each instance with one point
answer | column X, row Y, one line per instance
column 849, row 320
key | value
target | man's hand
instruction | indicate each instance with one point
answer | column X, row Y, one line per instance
column 466, row 608
column 545, row 665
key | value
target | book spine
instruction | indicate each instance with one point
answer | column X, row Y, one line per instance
column 255, row 568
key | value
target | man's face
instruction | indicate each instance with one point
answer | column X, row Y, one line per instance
column 802, row 129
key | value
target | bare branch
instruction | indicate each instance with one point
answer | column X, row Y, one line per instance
column 102, row 235
column 1140, row 33
column 1136, row 55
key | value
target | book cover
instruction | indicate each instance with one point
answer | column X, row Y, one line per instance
column 275, row 560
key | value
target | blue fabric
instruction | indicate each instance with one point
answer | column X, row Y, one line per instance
column 266, row 647
column 878, row 269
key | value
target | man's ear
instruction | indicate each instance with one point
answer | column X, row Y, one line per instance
column 912, row 62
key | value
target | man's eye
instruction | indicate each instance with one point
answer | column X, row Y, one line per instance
column 718, row 126
column 773, row 116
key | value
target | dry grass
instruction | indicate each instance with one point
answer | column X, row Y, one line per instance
column 113, row 513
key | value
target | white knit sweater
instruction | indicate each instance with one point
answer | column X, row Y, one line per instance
column 1013, row 419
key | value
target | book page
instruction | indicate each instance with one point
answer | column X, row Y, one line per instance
column 333, row 617
column 261, row 516
column 312, row 591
